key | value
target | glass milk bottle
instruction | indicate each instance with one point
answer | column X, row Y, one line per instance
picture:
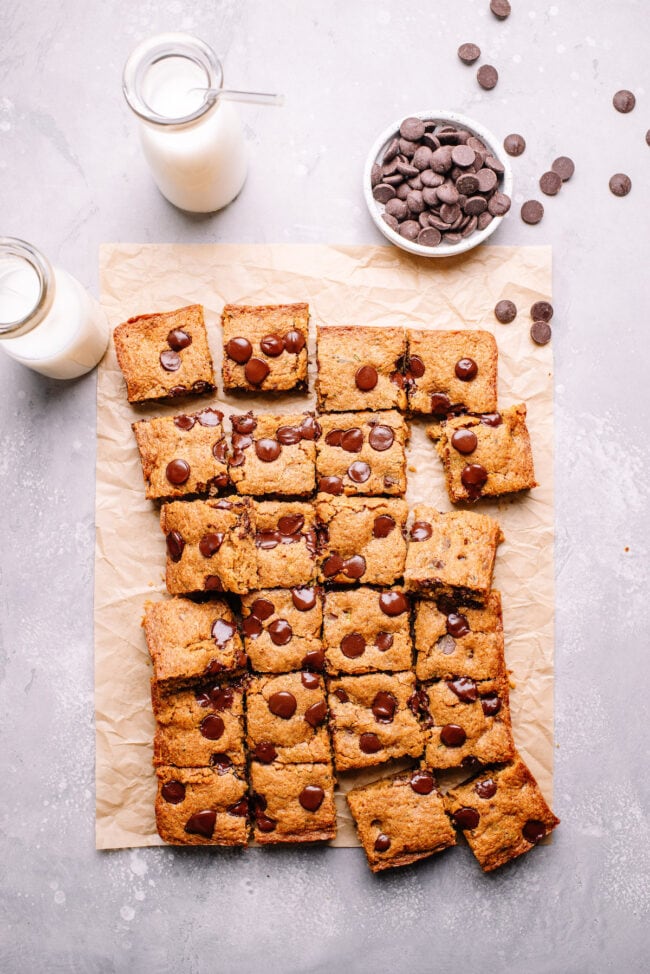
column 192, row 140
column 48, row 321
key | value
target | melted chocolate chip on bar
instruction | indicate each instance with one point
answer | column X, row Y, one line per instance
column 173, row 792
column 272, row 345
column 309, row 680
column 381, row 438
column 466, row 369
column 265, row 752
column 202, row 823
column 486, row 789
column 353, row 645
column 369, row 743
column 464, row 441
column 267, row 450
column 457, row 625
column 294, row 342
column 184, row 422
column 280, row 632
column 311, row 797
column 210, row 543
column 384, row 641
column 466, row 818
column 423, row 782
column 212, row 727
column 452, row 735
column 239, row 350
column 534, row 830
column 491, row 704
column 382, row 843
column 393, row 603
column 177, row 472
column 222, row 631
column 256, row 371
column 421, row 531
column 359, row 472
column 366, row 378
column 464, row 688
column 175, row 545
column 316, row 714
column 383, row 525
column 303, row 599
column 282, row 704
column 170, row 361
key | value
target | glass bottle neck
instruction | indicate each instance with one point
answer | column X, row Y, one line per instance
column 27, row 287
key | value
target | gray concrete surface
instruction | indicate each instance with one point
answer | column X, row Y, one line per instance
column 71, row 176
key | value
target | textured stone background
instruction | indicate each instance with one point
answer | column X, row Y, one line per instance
column 71, row 176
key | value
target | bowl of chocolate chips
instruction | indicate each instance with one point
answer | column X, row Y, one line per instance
column 437, row 183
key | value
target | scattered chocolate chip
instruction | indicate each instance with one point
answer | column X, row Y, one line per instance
column 355, row 566
column 178, row 339
column 468, row 53
column 473, row 475
column 311, row 798
column 177, row 472
column 316, row 714
column 541, row 311
column 369, row 743
column 359, row 472
column 422, row 782
column 487, row 76
column 620, row 184
column 303, row 599
column 282, row 704
column 393, row 603
column 515, row 145
column 202, row 823
column 353, row 645
column 491, row 704
column 175, row 545
column 465, row 441
column 294, row 342
column 252, row 627
column 212, row 727
column 366, row 378
column 550, row 183
column 540, row 332
column 534, row 830
column 256, row 371
column 500, row 8
column 486, row 788
column 272, row 345
column 382, row 843
column 265, row 752
column 564, row 167
column 334, row 437
column 267, row 450
column 330, row 485
column 309, row 680
column 466, row 369
column 421, row 531
column 384, row 641
column 532, row 211
column 239, row 350
column 466, row 818
column 280, row 632
column 382, row 526
column 464, row 688
column 210, row 543
column 624, row 101
column 440, row 403
column 452, row 735
column 173, row 792
column 384, row 706
column 505, row 311
column 170, row 361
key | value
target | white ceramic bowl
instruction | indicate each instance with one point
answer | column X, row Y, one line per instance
column 376, row 209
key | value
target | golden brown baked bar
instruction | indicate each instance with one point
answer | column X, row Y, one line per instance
column 265, row 347
column 362, row 453
column 362, row 539
column 292, row 803
column 286, row 543
column 200, row 728
column 451, row 371
column 360, row 368
column 201, row 806
column 367, row 630
column 452, row 639
column 287, row 718
column 274, row 454
column 282, row 629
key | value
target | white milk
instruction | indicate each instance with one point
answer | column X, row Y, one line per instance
column 73, row 334
column 198, row 164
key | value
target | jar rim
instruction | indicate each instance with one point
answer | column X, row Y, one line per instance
column 158, row 48
column 15, row 247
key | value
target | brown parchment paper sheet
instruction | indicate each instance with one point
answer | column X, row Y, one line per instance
column 343, row 285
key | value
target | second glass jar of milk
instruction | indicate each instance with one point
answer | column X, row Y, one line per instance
column 192, row 140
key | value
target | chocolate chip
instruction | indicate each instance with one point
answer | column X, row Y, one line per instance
column 429, row 237
column 355, row 566
column 452, row 735
column 421, row 531
column 332, row 565
column 514, row 144
column 177, row 471
column 423, row 782
column 202, row 823
column 170, row 361
column 500, row 8
column 491, row 704
column 393, row 603
column 465, row 441
column 541, row 311
column 412, row 129
column 473, row 475
column 620, row 184
column 440, row 403
column 491, row 419
column 382, row 843
column 212, row 727
column 294, row 341
column 410, row 230
column 505, row 311
column 391, row 151
column 303, row 599
column 540, row 332
column 330, row 485
column 311, row 798
column 532, row 211
column 341, row 695
column 334, row 437
column 384, row 641
column 184, row 422
column 352, row 440
column 564, row 167
column 487, row 76
column 288, row 436
column 550, row 183
column 252, row 627
column 534, row 830
column 210, row 543
column 222, row 631
column 178, row 391
column 173, row 792
column 309, row 680
column 464, row 688
column 416, row 366
column 316, row 714
column 267, row 450
column 353, row 645
column 499, row 204
column 468, row 53
column 384, row 706
column 445, row 645
column 282, row 704
column 466, row 818
column 366, row 378
column 178, row 339
column 396, row 208
column 256, row 371
column 239, row 808
column 369, row 743
column 381, row 438
column 486, row 788
column 457, row 625
column 265, row 752
column 359, row 472
column 466, row 369
column 272, row 345
column 175, row 545
column 280, row 632
column 212, row 583
column 239, row 349
column 291, row 524
column 624, row 101
column 383, row 192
